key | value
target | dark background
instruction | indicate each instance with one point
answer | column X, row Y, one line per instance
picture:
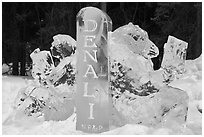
column 28, row 25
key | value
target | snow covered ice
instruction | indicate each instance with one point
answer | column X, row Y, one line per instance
column 143, row 103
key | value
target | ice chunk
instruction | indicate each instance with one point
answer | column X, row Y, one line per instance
column 125, row 79
column 174, row 58
column 43, row 103
column 42, row 65
column 63, row 46
column 164, row 108
column 191, row 85
column 136, row 39
column 30, row 101
column 58, row 110
column 64, row 73
column 191, row 81
column 157, row 78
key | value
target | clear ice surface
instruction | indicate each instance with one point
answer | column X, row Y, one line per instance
column 173, row 62
column 93, row 26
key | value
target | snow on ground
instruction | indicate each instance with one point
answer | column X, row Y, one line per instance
column 11, row 86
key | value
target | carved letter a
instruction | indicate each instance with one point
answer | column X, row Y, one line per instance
column 90, row 71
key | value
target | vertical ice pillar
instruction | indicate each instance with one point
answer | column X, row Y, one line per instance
column 92, row 97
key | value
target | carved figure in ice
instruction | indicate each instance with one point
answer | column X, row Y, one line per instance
column 128, row 55
column 63, row 46
column 53, row 99
column 137, row 40
column 134, row 92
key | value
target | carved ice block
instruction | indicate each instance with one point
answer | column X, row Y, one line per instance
column 42, row 65
column 63, row 46
column 92, row 97
column 63, row 73
column 174, row 57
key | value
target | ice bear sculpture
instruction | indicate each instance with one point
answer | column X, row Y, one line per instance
column 134, row 95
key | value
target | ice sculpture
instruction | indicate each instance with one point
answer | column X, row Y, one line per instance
column 31, row 101
column 134, row 93
column 42, row 65
column 137, row 40
column 92, row 99
column 166, row 106
column 42, row 103
column 63, row 46
column 139, row 93
column 131, row 61
column 64, row 73
column 52, row 97
column 174, row 58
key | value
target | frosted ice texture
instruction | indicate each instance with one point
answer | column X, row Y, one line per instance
column 42, row 65
column 134, row 92
column 174, row 58
column 63, row 46
column 43, row 103
column 64, row 73
column 128, row 61
column 92, row 37
column 137, row 40
column 164, row 108
column 51, row 98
